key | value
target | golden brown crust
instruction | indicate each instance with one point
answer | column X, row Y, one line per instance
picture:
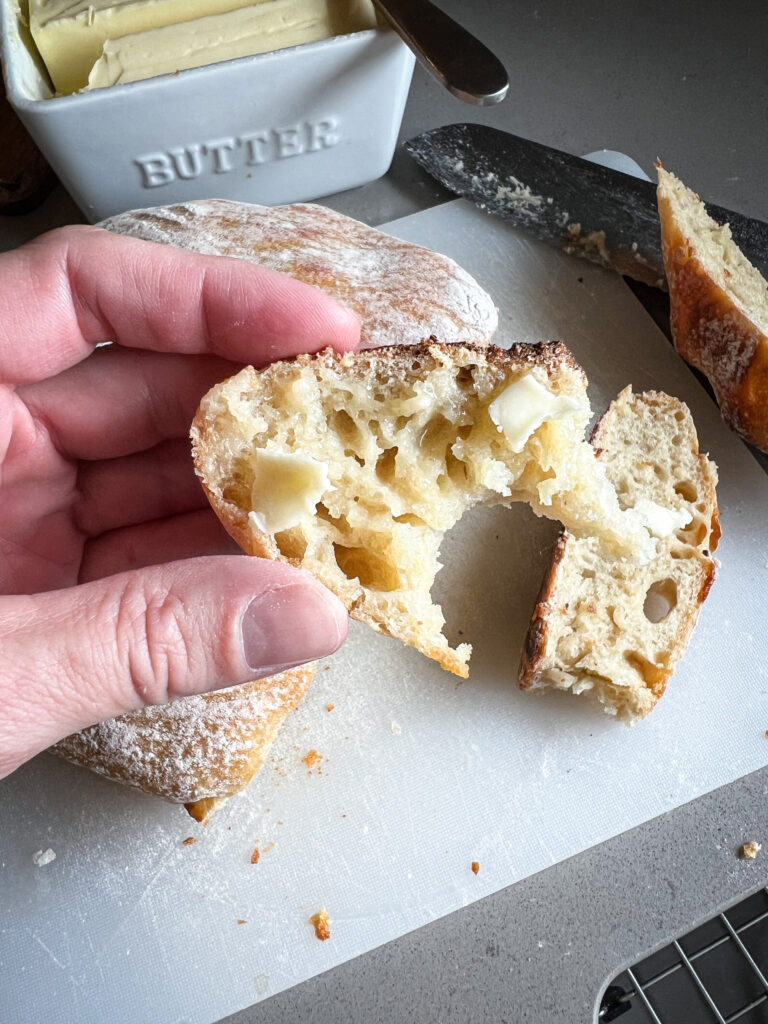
column 535, row 644
column 399, row 290
column 712, row 333
column 197, row 750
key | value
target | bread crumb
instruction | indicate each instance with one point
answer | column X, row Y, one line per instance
column 311, row 759
column 396, row 728
column 42, row 857
column 255, row 856
column 750, row 850
column 766, row 734
column 475, row 866
column 241, row 921
column 322, row 924
column 188, row 841
column 329, row 707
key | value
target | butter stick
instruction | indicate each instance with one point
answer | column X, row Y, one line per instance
column 70, row 34
column 270, row 25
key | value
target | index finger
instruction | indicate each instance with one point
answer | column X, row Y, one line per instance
column 72, row 288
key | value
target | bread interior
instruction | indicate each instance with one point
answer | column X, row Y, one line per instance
column 408, row 441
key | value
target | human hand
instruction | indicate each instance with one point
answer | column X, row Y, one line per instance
column 118, row 586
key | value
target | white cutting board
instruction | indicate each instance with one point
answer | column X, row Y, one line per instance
column 421, row 774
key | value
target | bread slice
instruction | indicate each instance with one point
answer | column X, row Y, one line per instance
column 197, row 750
column 718, row 308
column 353, row 467
column 613, row 630
column 401, row 292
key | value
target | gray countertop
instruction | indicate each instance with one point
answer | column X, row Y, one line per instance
column 687, row 82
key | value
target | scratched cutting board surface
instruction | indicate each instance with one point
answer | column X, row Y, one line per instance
column 420, row 774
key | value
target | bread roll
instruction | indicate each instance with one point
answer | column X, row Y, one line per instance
column 197, row 750
column 718, row 308
column 354, row 466
column 401, row 292
column 611, row 630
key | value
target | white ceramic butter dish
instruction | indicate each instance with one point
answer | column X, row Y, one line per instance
column 280, row 127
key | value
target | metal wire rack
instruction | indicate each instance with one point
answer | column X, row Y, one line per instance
column 715, row 973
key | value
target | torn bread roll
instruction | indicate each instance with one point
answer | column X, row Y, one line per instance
column 718, row 308
column 197, row 750
column 401, row 292
column 354, row 467
column 611, row 630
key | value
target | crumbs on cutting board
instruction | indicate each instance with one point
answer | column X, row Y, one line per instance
column 322, row 924
column 42, row 857
column 188, row 841
column 750, row 850
column 329, row 707
column 475, row 867
column 312, row 759
column 255, row 855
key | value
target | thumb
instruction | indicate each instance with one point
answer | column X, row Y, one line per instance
column 78, row 656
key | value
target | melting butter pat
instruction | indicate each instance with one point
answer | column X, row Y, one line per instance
column 70, row 34
column 523, row 406
column 286, row 488
column 658, row 520
column 266, row 26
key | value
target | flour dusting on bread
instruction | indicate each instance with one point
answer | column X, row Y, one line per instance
column 402, row 292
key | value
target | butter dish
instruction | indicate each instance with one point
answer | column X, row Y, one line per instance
column 285, row 126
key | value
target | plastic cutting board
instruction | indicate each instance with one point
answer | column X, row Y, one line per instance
column 420, row 775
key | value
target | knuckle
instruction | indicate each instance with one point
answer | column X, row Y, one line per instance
column 162, row 653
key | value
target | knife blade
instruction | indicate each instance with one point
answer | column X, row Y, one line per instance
column 586, row 209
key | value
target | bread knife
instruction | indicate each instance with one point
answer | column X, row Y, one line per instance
column 586, row 209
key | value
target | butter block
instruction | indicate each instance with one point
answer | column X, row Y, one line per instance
column 266, row 26
column 70, row 34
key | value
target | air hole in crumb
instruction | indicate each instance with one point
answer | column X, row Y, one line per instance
column 660, row 600
column 464, row 378
column 654, row 676
column 456, row 469
column 436, row 433
column 343, row 424
column 410, row 519
column 371, row 571
column 385, row 465
column 695, row 532
column 291, row 543
column 687, row 490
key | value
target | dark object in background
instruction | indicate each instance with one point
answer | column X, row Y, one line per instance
column 25, row 177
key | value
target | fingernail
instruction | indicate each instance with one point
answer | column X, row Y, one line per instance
column 290, row 625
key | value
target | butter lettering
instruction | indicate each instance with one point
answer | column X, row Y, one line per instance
column 156, row 169
column 255, row 146
column 187, row 161
column 223, row 155
column 221, row 150
column 288, row 141
column 322, row 135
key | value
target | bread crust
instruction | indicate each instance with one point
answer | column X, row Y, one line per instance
column 198, row 750
column 400, row 291
column 710, row 329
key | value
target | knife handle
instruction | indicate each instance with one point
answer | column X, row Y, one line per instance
column 456, row 58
